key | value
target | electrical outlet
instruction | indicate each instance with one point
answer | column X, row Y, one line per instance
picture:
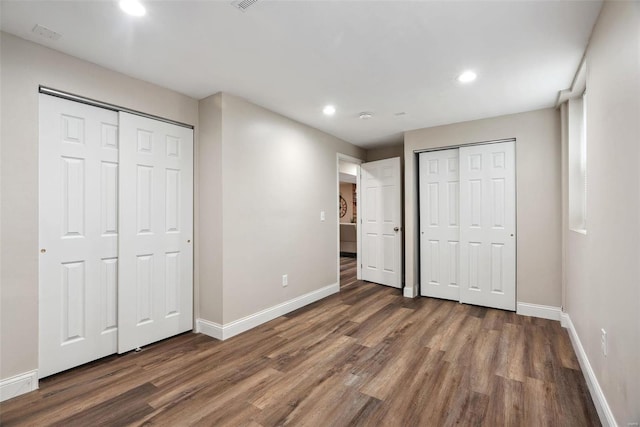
column 321, row 215
column 603, row 342
column 285, row 280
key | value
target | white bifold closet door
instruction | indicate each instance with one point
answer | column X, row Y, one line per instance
column 93, row 215
column 473, row 259
column 155, row 298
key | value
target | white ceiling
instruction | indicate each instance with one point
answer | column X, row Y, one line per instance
column 294, row 57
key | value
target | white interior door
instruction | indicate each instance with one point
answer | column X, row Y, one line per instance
column 155, row 298
column 78, row 234
column 439, row 224
column 381, row 222
column 488, row 225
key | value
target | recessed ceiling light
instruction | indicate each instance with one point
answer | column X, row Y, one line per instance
column 365, row 115
column 133, row 7
column 329, row 110
column 467, row 77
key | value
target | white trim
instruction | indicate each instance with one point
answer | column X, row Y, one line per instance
column 577, row 86
column 212, row 329
column 409, row 292
column 18, row 384
column 564, row 320
column 536, row 310
column 223, row 332
column 599, row 400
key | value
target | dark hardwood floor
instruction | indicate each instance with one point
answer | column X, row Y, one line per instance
column 366, row 356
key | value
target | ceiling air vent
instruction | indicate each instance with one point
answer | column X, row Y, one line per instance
column 46, row 33
column 243, row 5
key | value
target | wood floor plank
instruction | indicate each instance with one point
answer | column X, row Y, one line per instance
column 132, row 403
column 366, row 356
column 540, row 403
column 483, row 363
column 512, row 349
column 574, row 402
column 403, row 406
column 506, row 406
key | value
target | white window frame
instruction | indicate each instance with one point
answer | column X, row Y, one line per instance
column 577, row 120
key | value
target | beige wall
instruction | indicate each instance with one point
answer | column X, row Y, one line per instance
column 602, row 267
column 209, row 242
column 346, row 191
column 26, row 65
column 277, row 175
column 537, row 133
column 386, row 152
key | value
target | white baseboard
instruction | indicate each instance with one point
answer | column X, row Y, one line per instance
column 212, row 329
column 410, row 292
column 18, row 384
column 536, row 310
column 231, row 329
column 604, row 411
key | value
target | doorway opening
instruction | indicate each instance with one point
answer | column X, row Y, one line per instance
column 348, row 214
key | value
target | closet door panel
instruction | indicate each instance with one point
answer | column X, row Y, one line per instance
column 78, row 234
column 488, row 225
column 155, row 297
column 439, row 224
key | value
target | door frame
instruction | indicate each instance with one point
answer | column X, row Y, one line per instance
column 416, row 156
column 357, row 162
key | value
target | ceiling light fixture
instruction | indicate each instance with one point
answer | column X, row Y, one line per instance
column 132, row 7
column 365, row 115
column 467, row 77
column 329, row 110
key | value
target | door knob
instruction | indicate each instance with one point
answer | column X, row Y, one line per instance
column 43, row 251
column 396, row 228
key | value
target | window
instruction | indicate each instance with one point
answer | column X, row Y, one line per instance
column 578, row 164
